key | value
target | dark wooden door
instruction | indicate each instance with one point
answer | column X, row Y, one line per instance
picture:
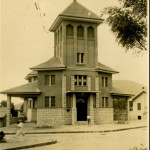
column 81, row 110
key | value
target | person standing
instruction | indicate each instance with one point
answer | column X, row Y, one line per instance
column 20, row 129
column 89, row 120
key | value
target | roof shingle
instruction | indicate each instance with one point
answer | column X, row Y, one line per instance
column 103, row 67
column 75, row 9
column 51, row 63
column 29, row 88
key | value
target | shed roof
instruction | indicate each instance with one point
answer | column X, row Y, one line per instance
column 53, row 63
column 29, row 88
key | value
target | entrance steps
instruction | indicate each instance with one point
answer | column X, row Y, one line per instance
column 82, row 123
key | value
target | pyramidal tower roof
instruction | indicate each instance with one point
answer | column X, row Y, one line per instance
column 76, row 11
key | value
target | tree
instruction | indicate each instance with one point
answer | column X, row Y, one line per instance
column 120, row 109
column 129, row 24
column 4, row 104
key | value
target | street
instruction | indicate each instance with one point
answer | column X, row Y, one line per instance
column 121, row 140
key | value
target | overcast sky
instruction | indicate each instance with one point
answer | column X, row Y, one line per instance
column 26, row 41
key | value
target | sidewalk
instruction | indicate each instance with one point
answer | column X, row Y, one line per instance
column 29, row 140
column 30, row 128
column 23, row 142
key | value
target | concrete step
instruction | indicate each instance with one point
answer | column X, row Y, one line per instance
column 82, row 122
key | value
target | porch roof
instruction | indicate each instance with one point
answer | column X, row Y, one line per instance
column 29, row 88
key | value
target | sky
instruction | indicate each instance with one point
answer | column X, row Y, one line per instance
column 26, row 41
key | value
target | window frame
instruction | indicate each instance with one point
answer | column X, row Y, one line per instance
column 104, row 81
column 80, row 58
column 49, row 81
column 49, row 103
column 80, row 31
column 69, row 27
column 80, row 80
column 90, row 32
column 138, row 106
column 105, row 102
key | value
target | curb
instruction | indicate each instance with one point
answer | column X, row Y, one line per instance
column 32, row 145
column 63, row 132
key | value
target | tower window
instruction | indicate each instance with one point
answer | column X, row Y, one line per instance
column 80, row 58
column 90, row 32
column 80, row 31
column 69, row 30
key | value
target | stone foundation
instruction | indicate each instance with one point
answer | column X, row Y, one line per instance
column 52, row 117
column 103, row 115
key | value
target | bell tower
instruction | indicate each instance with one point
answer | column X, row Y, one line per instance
column 75, row 32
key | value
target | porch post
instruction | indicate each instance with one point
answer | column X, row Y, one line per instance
column 91, row 109
column 74, row 109
column 8, row 110
column 74, row 101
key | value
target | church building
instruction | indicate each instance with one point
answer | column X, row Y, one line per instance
column 71, row 85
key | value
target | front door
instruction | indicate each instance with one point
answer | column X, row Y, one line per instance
column 81, row 110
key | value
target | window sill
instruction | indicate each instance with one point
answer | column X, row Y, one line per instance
column 91, row 39
column 80, row 38
column 69, row 37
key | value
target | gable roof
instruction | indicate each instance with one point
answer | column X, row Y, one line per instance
column 127, row 85
column 51, row 64
column 29, row 88
column 133, row 98
column 75, row 9
column 120, row 92
column 78, row 12
column 104, row 68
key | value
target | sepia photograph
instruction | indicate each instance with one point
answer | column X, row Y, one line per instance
column 74, row 75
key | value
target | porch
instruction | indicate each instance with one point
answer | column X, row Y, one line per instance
column 27, row 92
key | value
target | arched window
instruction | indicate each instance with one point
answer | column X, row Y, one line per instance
column 69, row 30
column 90, row 32
column 80, row 31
